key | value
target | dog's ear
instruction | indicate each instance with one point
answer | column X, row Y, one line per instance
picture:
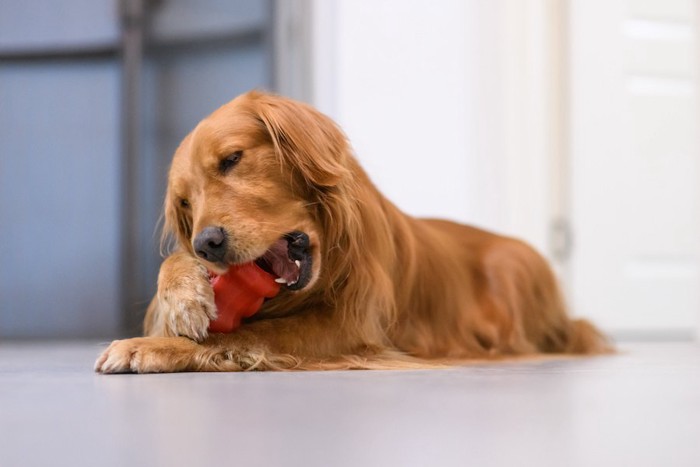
column 305, row 139
column 177, row 226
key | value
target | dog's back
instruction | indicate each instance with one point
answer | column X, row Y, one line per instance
column 474, row 293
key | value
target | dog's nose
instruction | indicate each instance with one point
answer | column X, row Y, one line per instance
column 210, row 244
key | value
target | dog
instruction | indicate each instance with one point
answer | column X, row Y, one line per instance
column 372, row 286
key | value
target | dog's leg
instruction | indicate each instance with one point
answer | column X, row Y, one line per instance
column 184, row 304
column 314, row 341
column 269, row 348
column 173, row 354
column 307, row 341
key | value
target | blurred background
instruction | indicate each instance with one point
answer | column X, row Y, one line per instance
column 570, row 123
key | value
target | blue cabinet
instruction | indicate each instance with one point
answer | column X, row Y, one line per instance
column 62, row 199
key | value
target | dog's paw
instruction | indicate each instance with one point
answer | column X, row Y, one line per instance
column 186, row 305
column 187, row 313
column 147, row 355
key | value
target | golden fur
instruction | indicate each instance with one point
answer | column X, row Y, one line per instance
column 387, row 290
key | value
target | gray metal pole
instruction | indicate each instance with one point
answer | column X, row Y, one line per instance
column 132, row 20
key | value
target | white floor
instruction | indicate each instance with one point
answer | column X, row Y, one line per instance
column 639, row 408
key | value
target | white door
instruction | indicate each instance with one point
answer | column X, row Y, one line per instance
column 635, row 165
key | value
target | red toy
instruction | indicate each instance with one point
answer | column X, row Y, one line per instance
column 239, row 294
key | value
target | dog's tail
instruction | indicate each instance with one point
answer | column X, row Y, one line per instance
column 585, row 339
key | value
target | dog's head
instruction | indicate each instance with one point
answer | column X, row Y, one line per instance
column 251, row 182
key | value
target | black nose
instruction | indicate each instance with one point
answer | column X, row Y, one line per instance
column 210, row 244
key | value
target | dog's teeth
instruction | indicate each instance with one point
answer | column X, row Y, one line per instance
column 279, row 280
column 298, row 263
column 291, row 283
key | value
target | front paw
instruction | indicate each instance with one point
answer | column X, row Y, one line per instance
column 147, row 355
column 185, row 301
column 187, row 311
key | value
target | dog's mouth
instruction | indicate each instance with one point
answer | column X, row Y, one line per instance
column 289, row 260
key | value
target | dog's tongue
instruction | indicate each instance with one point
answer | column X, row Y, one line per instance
column 239, row 293
column 277, row 258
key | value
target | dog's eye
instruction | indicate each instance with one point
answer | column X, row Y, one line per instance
column 227, row 163
column 184, row 203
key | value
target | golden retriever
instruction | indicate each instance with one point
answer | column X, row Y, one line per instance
column 373, row 287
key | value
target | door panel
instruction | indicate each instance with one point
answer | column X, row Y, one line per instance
column 57, row 24
column 635, row 165
column 59, row 172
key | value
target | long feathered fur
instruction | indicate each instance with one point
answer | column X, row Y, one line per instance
column 390, row 291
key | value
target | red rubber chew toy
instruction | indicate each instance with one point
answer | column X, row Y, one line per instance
column 239, row 293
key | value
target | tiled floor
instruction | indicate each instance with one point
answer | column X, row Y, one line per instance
column 639, row 408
